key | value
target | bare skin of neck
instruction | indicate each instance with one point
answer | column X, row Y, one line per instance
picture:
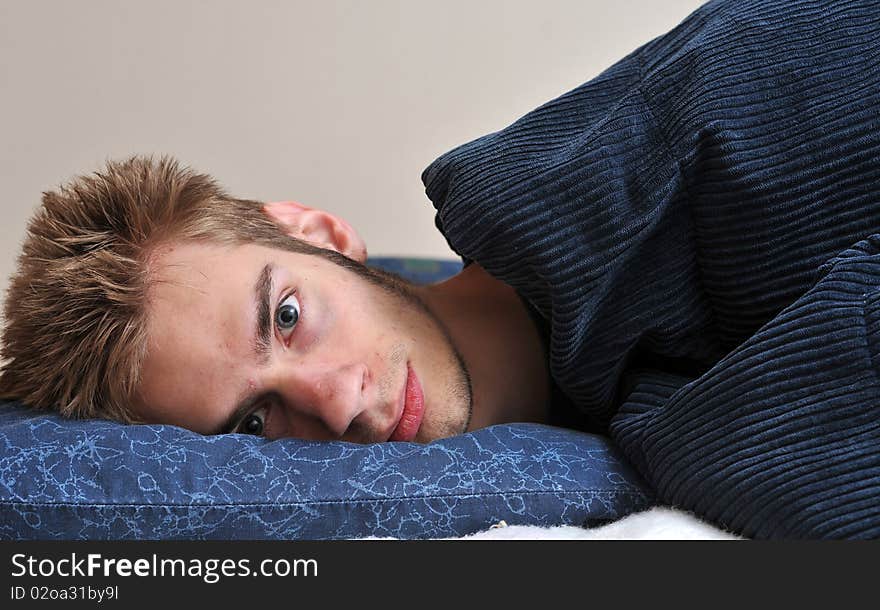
column 499, row 343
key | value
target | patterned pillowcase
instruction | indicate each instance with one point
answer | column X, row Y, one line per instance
column 418, row 270
column 68, row 479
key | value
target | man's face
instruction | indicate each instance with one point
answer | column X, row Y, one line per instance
column 341, row 357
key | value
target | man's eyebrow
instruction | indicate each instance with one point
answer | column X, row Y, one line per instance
column 261, row 343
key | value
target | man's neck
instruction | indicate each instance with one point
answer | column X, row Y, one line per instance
column 499, row 343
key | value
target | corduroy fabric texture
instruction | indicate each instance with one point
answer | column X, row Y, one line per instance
column 697, row 225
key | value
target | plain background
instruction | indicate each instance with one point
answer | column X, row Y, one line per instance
column 338, row 104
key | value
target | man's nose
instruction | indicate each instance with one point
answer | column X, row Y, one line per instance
column 328, row 394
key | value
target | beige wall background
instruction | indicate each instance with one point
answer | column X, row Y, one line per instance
column 339, row 104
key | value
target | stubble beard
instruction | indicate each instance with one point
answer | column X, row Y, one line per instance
column 459, row 390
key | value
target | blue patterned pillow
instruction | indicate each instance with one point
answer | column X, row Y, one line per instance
column 418, row 270
column 66, row 479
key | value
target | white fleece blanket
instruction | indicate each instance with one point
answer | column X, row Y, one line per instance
column 659, row 523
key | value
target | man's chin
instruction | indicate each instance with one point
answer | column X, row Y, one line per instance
column 447, row 431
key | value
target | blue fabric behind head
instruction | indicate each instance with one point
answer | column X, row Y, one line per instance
column 68, row 479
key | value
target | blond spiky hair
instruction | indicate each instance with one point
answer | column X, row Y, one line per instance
column 75, row 328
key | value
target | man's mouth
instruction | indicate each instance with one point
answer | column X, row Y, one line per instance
column 413, row 409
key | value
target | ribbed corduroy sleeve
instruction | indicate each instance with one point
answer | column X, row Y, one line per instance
column 781, row 438
column 672, row 220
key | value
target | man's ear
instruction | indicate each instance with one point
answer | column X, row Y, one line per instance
column 317, row 227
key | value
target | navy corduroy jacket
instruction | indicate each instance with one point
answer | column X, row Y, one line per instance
column 700, row 227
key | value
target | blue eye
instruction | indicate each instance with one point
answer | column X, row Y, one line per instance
column 254, row 423
column 287, row 314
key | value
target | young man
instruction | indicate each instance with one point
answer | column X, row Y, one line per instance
column 168, row 301
column 691, row 235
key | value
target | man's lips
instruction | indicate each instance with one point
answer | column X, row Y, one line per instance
column 413, row 409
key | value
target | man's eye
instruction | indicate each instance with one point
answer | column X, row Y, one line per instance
column 254, row 423
column 287, row 314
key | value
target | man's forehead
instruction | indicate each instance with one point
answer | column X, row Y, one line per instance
column 214, row 260
column 198, row 339
column 199, row 274
column 185, row 258
column 199, row 283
